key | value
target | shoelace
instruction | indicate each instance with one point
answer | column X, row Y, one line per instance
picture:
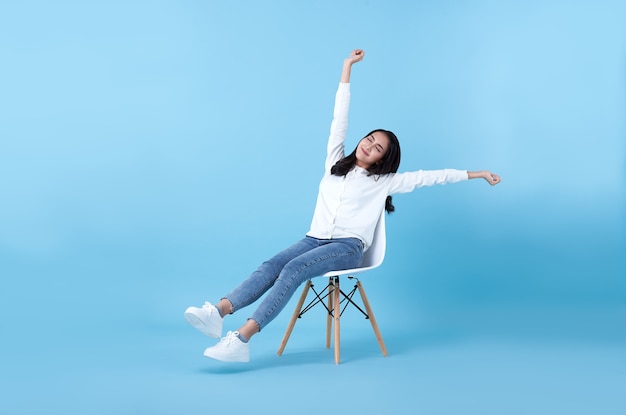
column 230, row 337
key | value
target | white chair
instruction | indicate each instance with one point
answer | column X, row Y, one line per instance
column 372, row 258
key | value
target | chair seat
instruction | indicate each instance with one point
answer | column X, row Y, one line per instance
column 348, row 271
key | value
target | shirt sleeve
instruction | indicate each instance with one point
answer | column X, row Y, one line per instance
column 407, row 182
column 338, row 127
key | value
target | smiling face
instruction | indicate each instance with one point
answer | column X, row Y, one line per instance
column 371, row 149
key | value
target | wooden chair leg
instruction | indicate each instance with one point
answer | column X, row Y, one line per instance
column 337, row 317
column 372, row 319
column 294, row 317
column 329, row 317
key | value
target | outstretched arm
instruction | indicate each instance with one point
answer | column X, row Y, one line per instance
column 492, row 179
column 355, row 56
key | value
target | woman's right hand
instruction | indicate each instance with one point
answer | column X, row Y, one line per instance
column 356, row 56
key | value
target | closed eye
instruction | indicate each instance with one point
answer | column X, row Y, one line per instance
column 378, row 147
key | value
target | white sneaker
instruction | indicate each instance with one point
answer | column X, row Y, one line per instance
column 206, row 319
column 229, row 349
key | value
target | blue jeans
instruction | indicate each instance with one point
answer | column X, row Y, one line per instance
column 282, row 274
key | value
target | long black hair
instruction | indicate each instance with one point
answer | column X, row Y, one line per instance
column 389, row 163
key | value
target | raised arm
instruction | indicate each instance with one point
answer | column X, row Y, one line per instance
column 492, row 179
column 339, row 125
column 355, row 56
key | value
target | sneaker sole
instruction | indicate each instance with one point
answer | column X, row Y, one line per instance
column 199, row 325
column 222, row 359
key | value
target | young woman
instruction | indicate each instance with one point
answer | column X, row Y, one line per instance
column 352, row 193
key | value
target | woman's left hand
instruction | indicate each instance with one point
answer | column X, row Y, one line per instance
column 492, row 179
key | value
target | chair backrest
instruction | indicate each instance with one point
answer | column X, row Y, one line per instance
column 374, row 255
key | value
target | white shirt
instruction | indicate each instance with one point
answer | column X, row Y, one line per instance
column 349, row 207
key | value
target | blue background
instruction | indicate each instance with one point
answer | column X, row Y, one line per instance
column 153, row 153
